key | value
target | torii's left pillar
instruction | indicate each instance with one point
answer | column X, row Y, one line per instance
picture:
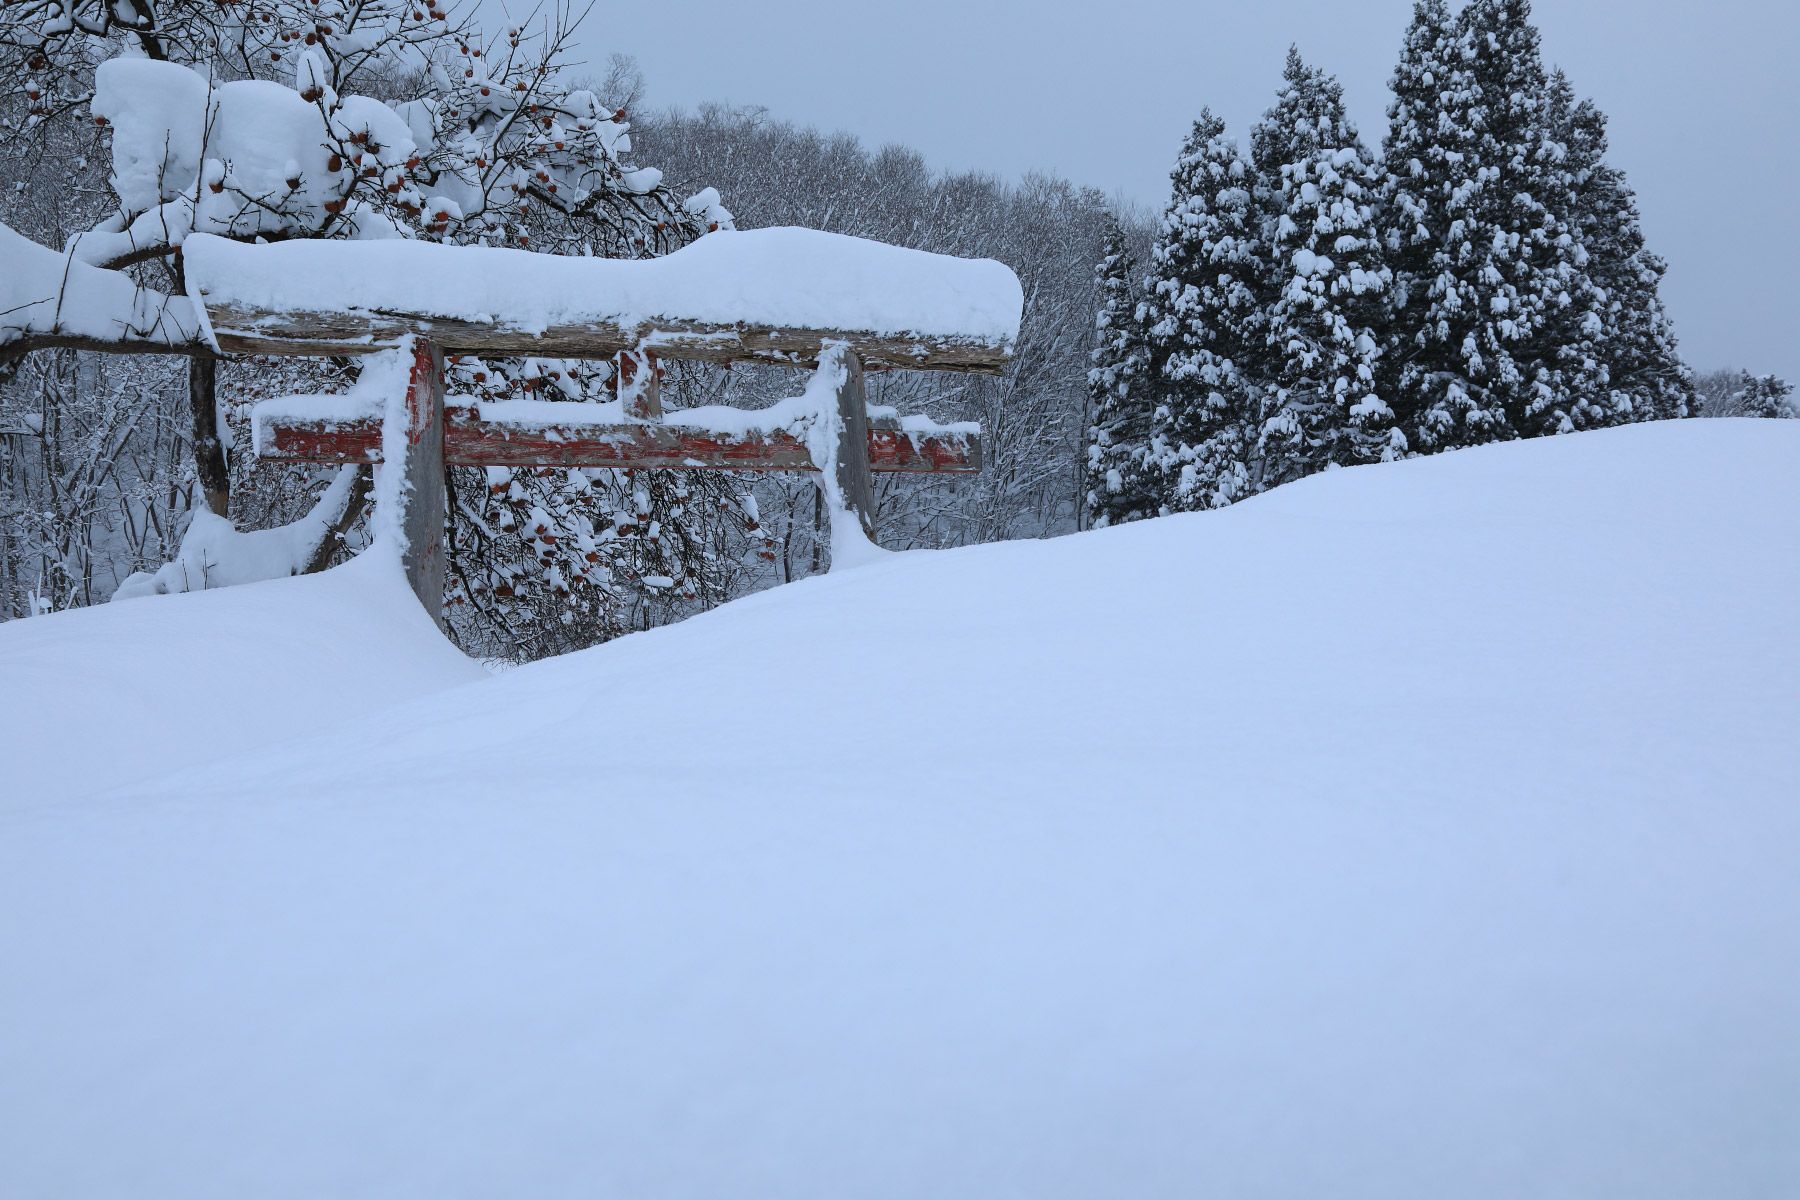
column 424, row 483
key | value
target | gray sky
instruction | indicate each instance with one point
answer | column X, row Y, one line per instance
column 1704, row 97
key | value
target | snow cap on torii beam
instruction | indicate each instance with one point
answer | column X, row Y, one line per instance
column 772, row 295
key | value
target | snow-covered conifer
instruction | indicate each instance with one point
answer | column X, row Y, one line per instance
column 1421, row 172
column 1327, row 282
column 1500, row 332
column 1205, row 320
column 1762, row 396
column 1120, row 394
column 1646, row 378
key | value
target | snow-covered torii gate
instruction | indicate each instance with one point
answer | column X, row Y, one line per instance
column 794, row 297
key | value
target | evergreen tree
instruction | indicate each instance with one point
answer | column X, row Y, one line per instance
column 1501, row 328
column 1205, row 321
column 1327, row 283
column 1420, row 177
column 1118, row 488
column 1646, row 377
column 1764, row 396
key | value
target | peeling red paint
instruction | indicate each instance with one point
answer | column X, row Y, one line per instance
column 469, row 441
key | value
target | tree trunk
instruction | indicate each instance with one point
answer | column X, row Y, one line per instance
column 818, row 538
column 209, row 451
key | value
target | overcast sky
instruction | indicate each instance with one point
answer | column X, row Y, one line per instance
column 1704, row 97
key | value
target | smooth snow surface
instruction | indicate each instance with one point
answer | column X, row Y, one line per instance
column 1425, row 830
column 99, row 697
column 795, row 278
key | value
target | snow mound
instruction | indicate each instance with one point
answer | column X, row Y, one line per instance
column 793, row 278
column 1420, row 830
column 103, row 696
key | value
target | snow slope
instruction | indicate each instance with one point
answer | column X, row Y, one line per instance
column 1425, row 830
column 98, row 697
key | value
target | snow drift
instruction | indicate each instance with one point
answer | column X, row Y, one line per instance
column 1421, row 830
column 101, row 696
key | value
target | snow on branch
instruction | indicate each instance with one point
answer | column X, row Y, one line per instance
column 214, row 553
column 246, row 158
column 49, row 299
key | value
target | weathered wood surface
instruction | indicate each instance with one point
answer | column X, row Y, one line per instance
column 242, row 330
column 472, row 442
column 491, row 444
column 639, row 384
column 853, row 480
column 423, row 484
column 891, row 449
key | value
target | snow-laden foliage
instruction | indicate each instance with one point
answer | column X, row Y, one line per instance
column 1266, row 305
column 1484, row 278
column 240, row 118
column 1502, row 327
column 1741, row 394
column 247, row 158
column 1328, row 284
column 50, row 299
column 1206, row 310
column 1121, row 394
column 1645, row 376
column 1419, row 155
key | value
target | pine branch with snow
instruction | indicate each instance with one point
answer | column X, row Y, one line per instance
column 1328, row 283
column 1121, row 394
column 1645, row 376
column 1498, row 328
column 1207, row 321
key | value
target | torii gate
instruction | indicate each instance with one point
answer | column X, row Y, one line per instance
column 766, row 296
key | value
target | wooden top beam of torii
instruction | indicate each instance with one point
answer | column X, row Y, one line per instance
column 789, row 296
column 772, row 295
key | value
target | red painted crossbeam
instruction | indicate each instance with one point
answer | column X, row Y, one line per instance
column 472, row 442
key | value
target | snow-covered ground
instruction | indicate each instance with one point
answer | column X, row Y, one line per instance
column 99, row 697
column 1427, row 830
